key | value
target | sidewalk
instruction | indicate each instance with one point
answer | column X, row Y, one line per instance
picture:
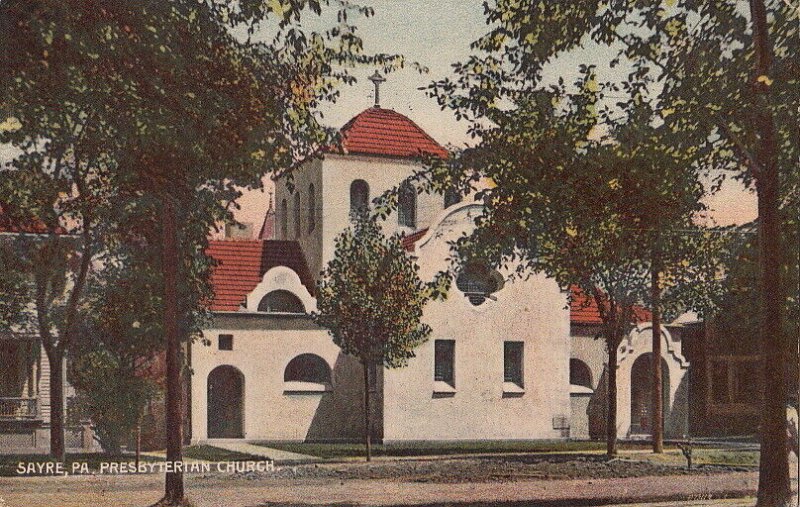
column 276, row 455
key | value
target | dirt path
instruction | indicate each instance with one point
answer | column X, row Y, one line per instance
column 227, row 491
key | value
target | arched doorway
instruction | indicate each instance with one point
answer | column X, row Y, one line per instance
column 225, row 403
column 642, row 393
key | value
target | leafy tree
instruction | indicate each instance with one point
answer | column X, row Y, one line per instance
column 371, row 299
column 114, row 368
column 725, row 81
column 157, row 105
column 575, row 189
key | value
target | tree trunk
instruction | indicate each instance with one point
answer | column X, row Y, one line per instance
column 658, row 396
column 611, row 416
column 174, row 492
column 56, row 359
column 367, row 418
column 774, row 488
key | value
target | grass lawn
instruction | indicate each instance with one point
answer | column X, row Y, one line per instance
column 347, row 450
column 706, row 456
column 210, row 453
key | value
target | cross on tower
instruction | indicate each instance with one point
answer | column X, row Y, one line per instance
column 377, row 79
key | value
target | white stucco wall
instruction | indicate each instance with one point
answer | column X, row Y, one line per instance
column 261, row 355
column 381, row 174
column 263, row 345
column 532, row 311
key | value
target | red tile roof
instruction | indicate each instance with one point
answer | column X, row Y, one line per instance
column 386, row 133
column 241, row 266
column 410, row 240
column 583, row 309
column 33, row 226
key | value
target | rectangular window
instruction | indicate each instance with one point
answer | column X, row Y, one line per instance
column 226, row 342
column 746, row 380
column 372, row 371
column 719, row 382
column 734, row 380
column 444, row 361
column 512, row 362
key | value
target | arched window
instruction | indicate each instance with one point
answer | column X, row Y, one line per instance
column 478, row 282
column 359, row 197
column 281, row 301
column 579, row 373
column 451, row 197
column 297, row 213
column 284, row 219
column 307, row 368
column 407, row 205
column 312, row 209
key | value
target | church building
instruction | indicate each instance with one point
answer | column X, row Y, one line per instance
column 508, row 359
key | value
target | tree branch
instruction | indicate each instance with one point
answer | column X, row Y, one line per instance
column 742, row 150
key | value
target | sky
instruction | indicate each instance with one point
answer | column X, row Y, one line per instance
column 436, row 34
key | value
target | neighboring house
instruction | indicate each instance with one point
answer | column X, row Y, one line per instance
column 724, row 387
column 25, row 379
column 507, row 359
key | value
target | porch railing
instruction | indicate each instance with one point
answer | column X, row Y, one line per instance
column 19, row 408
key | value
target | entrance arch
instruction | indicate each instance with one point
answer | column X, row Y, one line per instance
column 225, row 403
column 642, row 393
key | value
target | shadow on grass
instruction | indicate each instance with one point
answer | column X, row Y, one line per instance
column 561, row 502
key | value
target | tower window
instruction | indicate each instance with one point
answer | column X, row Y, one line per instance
column 478, row 282
column 284, row 219
column 407, row 205
column 359, row 197
column 297, row 214
column 451, row 197
column 312, row 209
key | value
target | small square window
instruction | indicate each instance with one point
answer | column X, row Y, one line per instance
column 444, row 362
column 512, row 362
column 226, row 342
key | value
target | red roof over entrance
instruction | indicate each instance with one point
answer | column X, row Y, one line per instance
column 241, row 266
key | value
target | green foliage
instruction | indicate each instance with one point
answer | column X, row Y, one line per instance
column 114, row 362
column 371, row 298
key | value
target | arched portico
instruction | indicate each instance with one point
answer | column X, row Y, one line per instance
column 634, row 384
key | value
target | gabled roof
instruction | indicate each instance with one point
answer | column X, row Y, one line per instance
column 241, row 266
column 386, row 133
column 410, row 240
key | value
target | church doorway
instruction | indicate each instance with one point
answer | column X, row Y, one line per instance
column 225, row 403
column 641, row 393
